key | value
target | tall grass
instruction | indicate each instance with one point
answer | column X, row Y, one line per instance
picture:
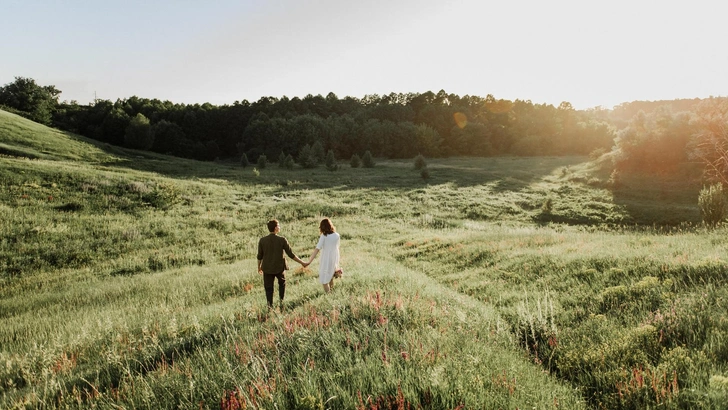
column 133, row 283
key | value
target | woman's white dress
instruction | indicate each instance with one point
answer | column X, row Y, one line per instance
column 328, row 246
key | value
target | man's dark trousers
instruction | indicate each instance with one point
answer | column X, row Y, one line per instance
column 268, row 284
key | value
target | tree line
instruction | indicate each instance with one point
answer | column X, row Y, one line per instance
column 392, row 126
column 642, row 135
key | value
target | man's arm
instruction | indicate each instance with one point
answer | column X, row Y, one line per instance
column 260, row 257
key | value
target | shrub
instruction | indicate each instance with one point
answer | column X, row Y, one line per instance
column 425, row 173
column 677, row 361
column 70, row 207
column 331, row 161
column 548, row 206
column 647, row 292
column 262, row 161
column 638, row 345
column 310, row 402
column 137, row 187
column 713, row 204
column 367, row 160
column 420, row 162
column 163, row 196
column 614, row 297
column 282, row 160
column 355, row 161
column 288, row 162
column 244, row 160
column 307, row 158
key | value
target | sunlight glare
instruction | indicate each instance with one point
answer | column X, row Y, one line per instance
column 460, row 119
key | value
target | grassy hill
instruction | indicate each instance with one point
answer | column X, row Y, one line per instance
column 25, row 138
column 128, row 279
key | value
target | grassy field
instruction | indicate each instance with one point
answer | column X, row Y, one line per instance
column 129, row 281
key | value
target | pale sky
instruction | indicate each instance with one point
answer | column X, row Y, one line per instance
column 589, row 53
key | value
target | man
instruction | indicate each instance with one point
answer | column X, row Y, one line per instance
column 271, row 263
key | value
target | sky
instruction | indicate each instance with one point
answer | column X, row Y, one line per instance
column 586, row 52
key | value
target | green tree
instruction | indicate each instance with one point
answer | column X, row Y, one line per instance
column 318, row 151
column 307, row 158
column 402, row 140
column 471, row 140
column 263, row 135
column 139, row 133
column 355, row 161
column 281, row 160
column 378, row 136
column 655, row 142
column 367, row 160
column 302, row 130
column 168, row 137
column 331, row 161
column 36, row 102
column 288, row 162
column 212, row 150
column 420, row 162
column 113, row 127
column 428, row 140
column 262, row 161
column 244, row 162
column 343, row 135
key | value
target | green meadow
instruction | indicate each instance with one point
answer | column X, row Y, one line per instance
column 128, row 280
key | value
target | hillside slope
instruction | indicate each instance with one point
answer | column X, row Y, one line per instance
column 21, row 137
column 495, row 283
column 127, row 270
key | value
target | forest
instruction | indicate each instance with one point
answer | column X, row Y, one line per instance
column 392, row 126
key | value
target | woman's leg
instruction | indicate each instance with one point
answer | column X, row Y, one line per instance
column 328, row 287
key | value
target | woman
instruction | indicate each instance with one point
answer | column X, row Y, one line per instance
column 328, row 244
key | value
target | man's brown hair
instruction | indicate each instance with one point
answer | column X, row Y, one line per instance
column 272, row 225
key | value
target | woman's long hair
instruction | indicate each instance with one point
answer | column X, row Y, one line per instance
column 326, row 227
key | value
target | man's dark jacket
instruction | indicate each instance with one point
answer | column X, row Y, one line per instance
column 270, row 251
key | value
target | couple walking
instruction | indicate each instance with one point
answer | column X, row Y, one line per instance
column 272, row 264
